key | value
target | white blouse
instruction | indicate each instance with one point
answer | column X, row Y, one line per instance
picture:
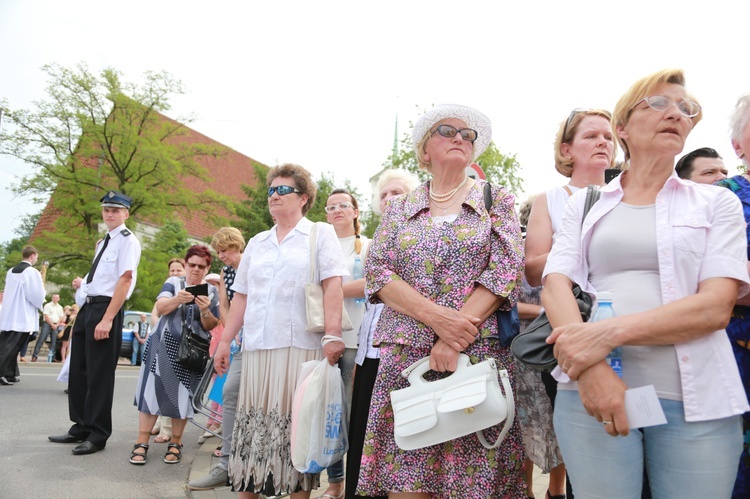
column 273, row 276
column 355, row 310
column 700, row 234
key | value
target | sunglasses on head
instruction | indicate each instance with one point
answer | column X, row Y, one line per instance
column 448, row 131
column 282, row 190
column 570, row 118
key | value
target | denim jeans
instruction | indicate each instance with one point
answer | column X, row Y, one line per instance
column 46, row 331
column 683, row 459
column 138, row 351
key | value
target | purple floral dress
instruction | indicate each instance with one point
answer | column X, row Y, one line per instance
column 445, row 262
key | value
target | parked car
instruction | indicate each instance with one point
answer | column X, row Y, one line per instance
column 129, row 325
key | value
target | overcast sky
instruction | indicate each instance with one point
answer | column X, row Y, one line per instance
column 320, row 83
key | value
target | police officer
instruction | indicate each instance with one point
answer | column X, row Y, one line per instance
column 97, row 334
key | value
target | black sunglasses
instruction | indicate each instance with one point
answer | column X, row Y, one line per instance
column 282, row 190
column 467, row 134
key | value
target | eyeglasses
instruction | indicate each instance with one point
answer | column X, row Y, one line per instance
column 341, row 206
column 661, row 103
column 198, row 265
column 467, row 134
column 282, row 190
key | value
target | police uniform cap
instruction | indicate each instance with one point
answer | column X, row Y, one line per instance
column 114, row 199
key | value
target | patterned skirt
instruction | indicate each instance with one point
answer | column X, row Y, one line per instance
column 261, row 444
column 534, row 412
column 458, row 468
column 164, row 386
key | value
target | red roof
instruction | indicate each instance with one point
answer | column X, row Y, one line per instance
column 227, row 173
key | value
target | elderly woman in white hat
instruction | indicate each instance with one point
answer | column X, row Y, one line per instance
column 442, row 263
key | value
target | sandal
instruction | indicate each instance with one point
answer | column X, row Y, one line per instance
column 141, row 455
column 177, row 455
column 162, row 439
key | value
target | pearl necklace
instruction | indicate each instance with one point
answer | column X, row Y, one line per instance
column 441, row 198
column 445, row 210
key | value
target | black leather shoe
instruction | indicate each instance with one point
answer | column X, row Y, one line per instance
column 65, row 439
column 13, row 379
column 5, row 381
column 86, row 448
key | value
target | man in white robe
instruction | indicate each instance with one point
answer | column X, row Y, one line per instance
column 19, row 316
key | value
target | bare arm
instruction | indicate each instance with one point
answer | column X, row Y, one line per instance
column 333, row 303
column 354, row 289
column 166, row 305
column 578, row 346
column 223, row 300
column 528, row 311
column 538, row 240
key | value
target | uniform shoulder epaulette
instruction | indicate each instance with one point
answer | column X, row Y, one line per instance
column 125, row 232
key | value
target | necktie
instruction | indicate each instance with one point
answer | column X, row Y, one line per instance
column 96, row 261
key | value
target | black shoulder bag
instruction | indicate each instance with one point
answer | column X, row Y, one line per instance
column 530, row 347
column 192, row 352
column 508, row 323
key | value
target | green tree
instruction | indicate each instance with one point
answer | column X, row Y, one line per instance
column 252, row 213
column 170, row 242
column 95, row 133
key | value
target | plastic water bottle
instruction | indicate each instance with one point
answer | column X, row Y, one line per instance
column 604, row 310
column 234, row 347
column 358, row 273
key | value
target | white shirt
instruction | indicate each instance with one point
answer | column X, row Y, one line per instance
column 54, row 311
column 122, row 254
column 24, row 295
column 273, row 276
column 700, row 234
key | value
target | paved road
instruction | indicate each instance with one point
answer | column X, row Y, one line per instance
column 31, row 466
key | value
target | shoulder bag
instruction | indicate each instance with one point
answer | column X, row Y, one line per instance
column 314, row 294
column 192, row 351
column 508, row 322
column 468, row 401
column 530, row 347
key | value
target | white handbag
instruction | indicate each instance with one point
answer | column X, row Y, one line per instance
column 314, row 294
column 468, row 401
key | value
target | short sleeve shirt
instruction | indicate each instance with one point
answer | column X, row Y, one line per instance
column 121, row 255
column 273, row 275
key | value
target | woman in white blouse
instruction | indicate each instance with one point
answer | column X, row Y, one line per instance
column 342, row 211
column 672, row 254
column 269, row 301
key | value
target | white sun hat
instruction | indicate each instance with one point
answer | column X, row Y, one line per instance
column 473, row 119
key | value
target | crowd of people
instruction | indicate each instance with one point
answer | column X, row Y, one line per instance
column 448, row 256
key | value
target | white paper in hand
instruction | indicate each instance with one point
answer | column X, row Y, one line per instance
column 642, row 407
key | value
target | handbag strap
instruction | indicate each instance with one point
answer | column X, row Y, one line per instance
column 592, row 196
column 313, row 248
column 510, row 402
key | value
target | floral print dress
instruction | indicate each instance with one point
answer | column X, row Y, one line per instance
column 444, row 262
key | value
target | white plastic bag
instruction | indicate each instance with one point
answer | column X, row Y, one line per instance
column 65, row 371
column 319, row 434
